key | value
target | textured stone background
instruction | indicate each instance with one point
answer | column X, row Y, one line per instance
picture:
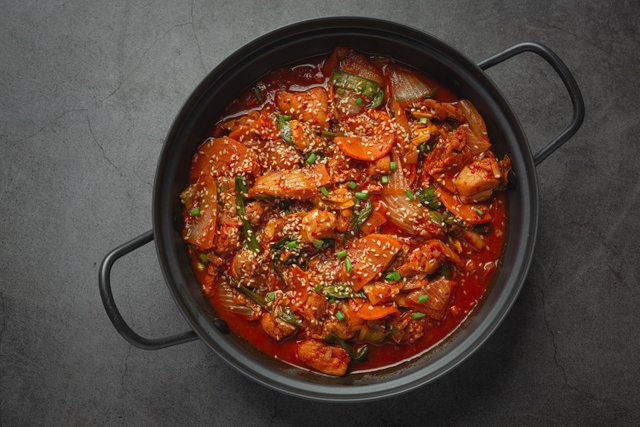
column 87, row 92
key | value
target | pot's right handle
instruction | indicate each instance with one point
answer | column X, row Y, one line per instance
column 566, row 77
column 112, row 310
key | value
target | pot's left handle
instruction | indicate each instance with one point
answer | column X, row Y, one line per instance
column 110, row 305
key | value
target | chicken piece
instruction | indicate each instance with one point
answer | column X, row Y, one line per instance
column 276, row 155
column 346, row 328
column 305, row 137
column 427, row 259
column 313, row 311
column 381, row 292
column 450, row 154
column 328, row 359
column 254, row 212
column 276, row 328
column 317, row 224
column 432, row 109
column 227, row 239
column 341, row 167
column 309, row 106
column 243, row 265
column 477, row 181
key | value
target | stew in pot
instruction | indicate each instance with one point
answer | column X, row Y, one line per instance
column 346, row 213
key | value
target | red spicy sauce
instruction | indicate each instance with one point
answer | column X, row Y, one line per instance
column 471, row 285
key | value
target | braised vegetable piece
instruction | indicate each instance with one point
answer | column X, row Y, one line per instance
column 328, row 359
column 347, row 213
column 222, row 157
column 293, row 184
column 200, row 201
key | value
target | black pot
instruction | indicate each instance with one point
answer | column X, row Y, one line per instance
column 291, row 44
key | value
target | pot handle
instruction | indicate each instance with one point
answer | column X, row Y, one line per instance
column 110, row 304
column 567, row 78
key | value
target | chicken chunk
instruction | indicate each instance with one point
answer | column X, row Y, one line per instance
column 309, row 106
column 477, row 181
column 427, row 259
column 328, row 359
column 318, row 224
column 276, row 328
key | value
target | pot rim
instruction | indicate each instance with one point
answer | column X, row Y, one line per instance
column 388, row 388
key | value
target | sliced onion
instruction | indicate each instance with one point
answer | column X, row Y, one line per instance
column 405, row 213
column 406, row 87
column 477, row 138
column 439, row 293
column 358, row 64
column 227, row 299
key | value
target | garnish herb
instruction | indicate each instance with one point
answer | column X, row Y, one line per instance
column 347, row 264
column 247, row 231
column 359, row 356
column 394, row 276
column 360, row 215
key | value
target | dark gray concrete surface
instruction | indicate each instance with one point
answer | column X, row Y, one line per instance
column 88, row 90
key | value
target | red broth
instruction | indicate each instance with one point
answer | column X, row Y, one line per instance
column 471, row 285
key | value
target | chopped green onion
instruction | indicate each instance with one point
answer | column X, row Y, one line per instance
column 393, row 166
column 423, row 299
column 362, row 195
column 478, row 211
column 394, row 276
column 384, row 179
column 352, row 185
column 359, row 101
column 347, row 264
column 203, row 258
column 312, row 158
column 342, row 254
column 324, row 191
column 423, row 120
column 318, row 288
column 258, row 93
column 317, row 243
column 339, row 315
column 428, row 198
column 286, row 117
column 201, row 266
column 359, row 356
column 417, row 315
column 271, row 296
column 432, row 93
column 328, row 134
column 292, row 244
column 194, row 212
column 445, row 270
column 409, row 195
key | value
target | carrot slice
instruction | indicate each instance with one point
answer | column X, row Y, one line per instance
column 222, row 157
column 365, row 148
column 375, row 312
column 300, row 283
column 471, row 213
column 369, row 256
column 375, row 220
